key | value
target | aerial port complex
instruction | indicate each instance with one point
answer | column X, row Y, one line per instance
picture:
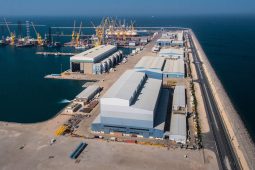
column 157, row 106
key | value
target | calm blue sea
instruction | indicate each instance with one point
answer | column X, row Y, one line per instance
column 25, row 96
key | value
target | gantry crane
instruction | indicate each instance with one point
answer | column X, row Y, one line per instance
column 12, row 35
column 73, row 34
column 39, row 37
column 100, row 31
column 78, row 36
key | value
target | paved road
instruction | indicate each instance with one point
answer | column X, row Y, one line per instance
column 226, row 156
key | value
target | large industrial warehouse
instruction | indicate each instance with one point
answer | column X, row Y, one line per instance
column 174, row 38
column 172, row 53
column 88, row 93
column 152, row 66
column 135, row 104
column 96, row 60
column 179, row 99
column 178, row 123
column 174, row 68
column 178, row 128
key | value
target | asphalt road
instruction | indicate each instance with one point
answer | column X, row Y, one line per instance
column 226, row 155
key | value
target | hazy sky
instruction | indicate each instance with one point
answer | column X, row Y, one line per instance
column 125, row 7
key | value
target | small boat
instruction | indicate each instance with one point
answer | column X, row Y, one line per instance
column 24, row 45
column 3, row 43
column 81, row 47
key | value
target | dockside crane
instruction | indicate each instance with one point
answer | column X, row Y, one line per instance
column 39, row 37
column 73, row 34
column 12, row 35
column 78, row 36
column 100, row 32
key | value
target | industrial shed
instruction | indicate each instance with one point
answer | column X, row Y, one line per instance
column 179, row 99
column 172, row 53
column 131, row 105
column 88, row 93
column 174, row 68
column 150, row 65
column 96, row 60
column 173, row 38
column 178, row 128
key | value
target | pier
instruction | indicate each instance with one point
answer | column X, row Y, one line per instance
column 55, row 53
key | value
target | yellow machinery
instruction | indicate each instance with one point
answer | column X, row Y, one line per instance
column 39, row 37
column 73, row 34
column 100, row 35
column 12, row 39
column 61, row 130
column 110, row 27
column 100, row 31
column 12, row 35
column 78, row 36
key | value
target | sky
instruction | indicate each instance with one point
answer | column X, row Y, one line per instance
column 124, row 7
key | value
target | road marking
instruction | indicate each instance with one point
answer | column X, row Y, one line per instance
column 227, row 163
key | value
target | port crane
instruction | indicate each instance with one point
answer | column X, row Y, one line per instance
column 73, row 34
column 100, row 31
column 12, row 35
column 78, row 36
column 39, row 37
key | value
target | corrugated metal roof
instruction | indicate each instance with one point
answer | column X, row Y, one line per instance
column 174, row 66
column 178, row 125
column 126, row 86
column 165, row 40
column 86, row 93
column 161, row 111
column 180, row 36
column 94, row 54
column 179, row 96
column 150, row 62
column 172, row 51
column 147, row 99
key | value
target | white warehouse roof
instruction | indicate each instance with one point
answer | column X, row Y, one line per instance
column 168, row 40
column 180, row 36
column 178, row 129
column 171, row 51
column 174, row 66
column 134, row 89
column 179, row 100
column 126, row 86
column 150, row 62
column 94, row 54
column 88, row 92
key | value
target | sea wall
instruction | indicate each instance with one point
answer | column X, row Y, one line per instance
column 237, row 132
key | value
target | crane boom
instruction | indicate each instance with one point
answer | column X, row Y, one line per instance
column 7, row 26
column 80, row 28
column 39, row 38
column 33, row 27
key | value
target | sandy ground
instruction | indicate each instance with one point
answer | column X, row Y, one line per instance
column 97, row 155
column 200, row 103
column 39, row 154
